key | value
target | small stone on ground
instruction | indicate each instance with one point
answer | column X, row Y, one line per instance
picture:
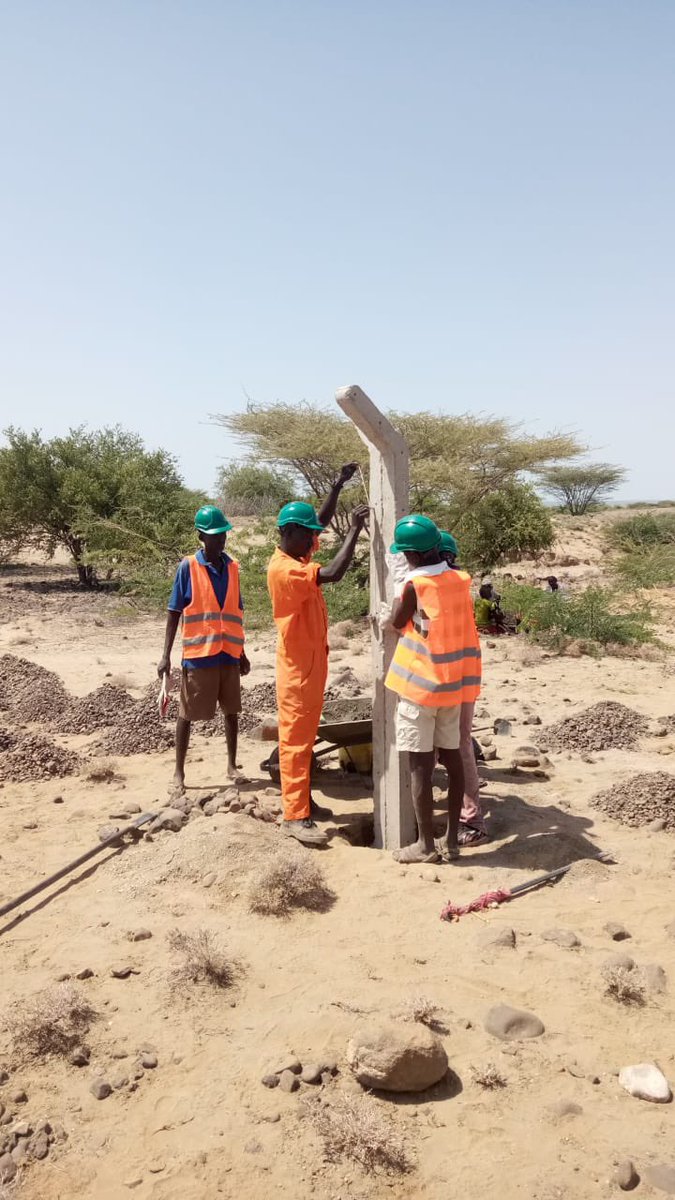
column 646, row 1082
column 512, row 1024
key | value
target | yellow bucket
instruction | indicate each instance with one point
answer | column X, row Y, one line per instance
column 357, row 758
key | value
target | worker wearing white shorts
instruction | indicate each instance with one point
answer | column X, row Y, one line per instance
column 435, row 669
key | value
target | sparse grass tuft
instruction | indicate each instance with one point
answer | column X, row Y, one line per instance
column 625, row 985
column 352, row 1127
column 422, row 1010
column 291, row 879
column 101, row 770
column 198, row 959
column 53, row 1022
column 488, row 1076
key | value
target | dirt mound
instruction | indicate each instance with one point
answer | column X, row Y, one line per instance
column 98, row 710
column 228, row 847
column 640, row 799
column 28, row 756
column 590, row 869
column 31, row 693
column 604, row 726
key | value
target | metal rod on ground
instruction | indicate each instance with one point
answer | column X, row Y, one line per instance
column 77, row 862
column 501, row 895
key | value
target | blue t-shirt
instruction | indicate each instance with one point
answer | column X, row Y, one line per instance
column 181, row 596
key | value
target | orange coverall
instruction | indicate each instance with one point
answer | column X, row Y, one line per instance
column 300, row 615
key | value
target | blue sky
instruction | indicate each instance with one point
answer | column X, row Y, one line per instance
column 459, row 205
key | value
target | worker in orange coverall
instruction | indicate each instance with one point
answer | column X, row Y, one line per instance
column 300, row 615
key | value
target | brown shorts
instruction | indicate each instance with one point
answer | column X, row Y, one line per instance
column 204, row 688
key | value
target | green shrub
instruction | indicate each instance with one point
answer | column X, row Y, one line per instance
column 647, row 529
column 347, row 600
column 598, row 616
column 649, row 567
column 249, row 490
column 506, row 525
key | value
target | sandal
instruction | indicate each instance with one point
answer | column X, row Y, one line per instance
column 409, row 854
column 444, row 853
column 470, row 836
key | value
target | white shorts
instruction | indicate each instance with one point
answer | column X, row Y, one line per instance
column 420, row 729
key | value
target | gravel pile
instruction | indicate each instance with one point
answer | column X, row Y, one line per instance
column 605, row 726
column 31, row 692
column 98, row 710
column 256, row 702
column 139, row 729
column 640, row 799
column 27, row 756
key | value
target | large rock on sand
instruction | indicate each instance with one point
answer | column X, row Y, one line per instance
column 512, row 1024
column 396, row 1058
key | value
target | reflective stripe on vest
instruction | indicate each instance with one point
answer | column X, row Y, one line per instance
column 437, row 662
column 212, row 631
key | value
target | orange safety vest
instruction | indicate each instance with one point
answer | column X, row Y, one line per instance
column 437, row 662
column 208, row 630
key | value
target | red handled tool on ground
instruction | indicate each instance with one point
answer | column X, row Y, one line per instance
column 452, row 912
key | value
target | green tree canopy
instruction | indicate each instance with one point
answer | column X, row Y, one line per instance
column 99, row 494
column 250, row 490
column 577, row 487
column 455, row 461
column 505, row 525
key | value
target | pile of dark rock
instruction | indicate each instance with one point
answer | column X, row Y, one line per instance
column 24, row 1142
column 97, row 710
column 605, row 726
column 27, row 756
column 642, row 799
column 31, row 692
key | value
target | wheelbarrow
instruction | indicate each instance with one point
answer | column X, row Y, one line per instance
column 344, row 736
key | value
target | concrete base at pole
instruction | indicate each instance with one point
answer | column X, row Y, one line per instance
column 389, row 499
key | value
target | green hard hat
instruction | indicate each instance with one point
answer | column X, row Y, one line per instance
column 299, row 513
column 415, row 533
column 448, row 544
column 210, row 519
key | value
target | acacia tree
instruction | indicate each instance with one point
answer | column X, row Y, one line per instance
column 455, row 461
column 577, row 487
column 250, row 490
column 101, row 495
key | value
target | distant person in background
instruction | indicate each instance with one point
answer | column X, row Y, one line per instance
column 472, row 829
column 488, row 614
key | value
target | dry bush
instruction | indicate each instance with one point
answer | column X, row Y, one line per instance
column 422, row 1010
column 488, row 1076
column 352, row 1127
column 122, row 681
column 289, row 880
column 101, row 770
column 625, row 985
column 200, row 960
column 53, row 1022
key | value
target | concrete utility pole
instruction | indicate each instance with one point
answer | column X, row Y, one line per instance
column 389, row 499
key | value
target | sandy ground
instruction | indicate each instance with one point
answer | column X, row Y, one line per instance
column 201, row 1124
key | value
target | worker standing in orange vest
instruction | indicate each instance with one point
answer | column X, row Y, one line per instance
column 472, row 829
column 206, row 596
column 435, row 669
column 301, row 618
